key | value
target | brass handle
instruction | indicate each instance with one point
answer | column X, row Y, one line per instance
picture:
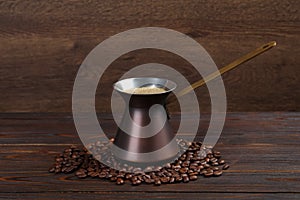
column 228, row 67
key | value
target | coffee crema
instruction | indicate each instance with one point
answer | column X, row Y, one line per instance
column 145, row 90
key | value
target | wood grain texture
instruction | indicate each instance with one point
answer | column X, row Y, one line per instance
column 42, row 44
column 262, row 149
column 134, row 196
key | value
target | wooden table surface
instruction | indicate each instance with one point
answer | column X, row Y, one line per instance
column 263, row 150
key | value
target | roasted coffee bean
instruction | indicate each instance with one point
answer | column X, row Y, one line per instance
column 120, row 181
column 178, row 178
column 140, row 178
column 226, row 166
column 136, row 182
column 194, row 164
column 52, row 169
column 81, row 173
column 128, row 176
column 183, row 170
column 157, row 181
column 177, row 167
column 208, row 174
column 148, row 180
column 172, row 180
column 215, row 168
column 206, row 165
column 121, row 175
column 165, row 179
column 197, row 160
column 199, row 168
column 193, row 174
column 185, row 163
column 194, row 168
column 193, row 177
column 102, row 174
column 221, row 162
column 169, row 174
column 114, row 178
column 202, row 162
column 217, row 154
column 186, row 179
column 184, row 175
column 93, row 174
column 218, row 173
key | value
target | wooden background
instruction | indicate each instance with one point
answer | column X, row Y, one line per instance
column 42, row 44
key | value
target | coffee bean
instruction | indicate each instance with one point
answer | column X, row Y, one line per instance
column 134, row 178
column 193, row 174
column 186, row 163
column 183, row 170
column 215, row 168
column 52, row 169
column 128, row 176
column 121, row 175
column 209, row 170
column 218, row 173
column 193, row 178
column 148, row 180
column 165, row 179
column 81, row 173
column 177, row 167
column 206, row 165
column 194, row 168
column 221, row 162
column 226, row 166
column 217, row 155
column 120, row 181
column 199, row 168
column 208, row 174
column 178, row 178
column 172, row 180
column 136, row 182
column 102, row 174
column 186, row 179
column 157, row 181
column 197, row 160
column 114, row 178
column 202, row 162
column 93, row 174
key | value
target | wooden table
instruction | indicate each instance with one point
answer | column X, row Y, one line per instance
column 262, row 148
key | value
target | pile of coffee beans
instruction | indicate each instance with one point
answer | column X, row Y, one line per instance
column 195, row 161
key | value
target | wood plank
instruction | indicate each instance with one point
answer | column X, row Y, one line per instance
column 229, row 182
column 274, row 128
column 145, row 195
column 266, row 157
column 263, row 162
column 44, row 43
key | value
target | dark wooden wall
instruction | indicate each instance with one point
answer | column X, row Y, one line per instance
column 42, row 44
